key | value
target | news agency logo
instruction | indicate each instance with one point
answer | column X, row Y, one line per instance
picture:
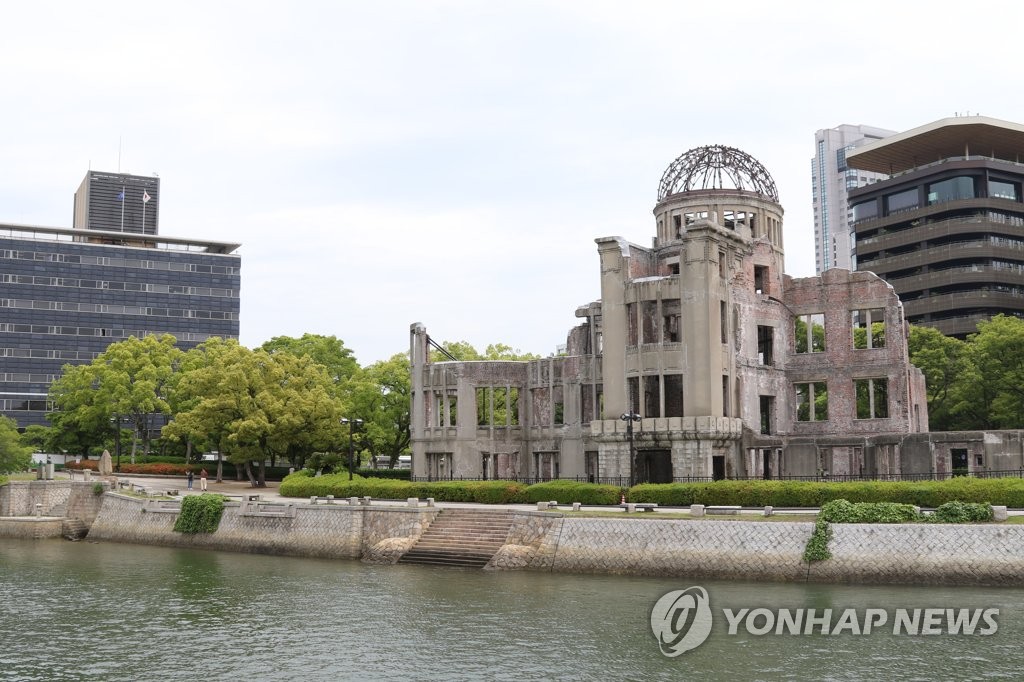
column 681, row 621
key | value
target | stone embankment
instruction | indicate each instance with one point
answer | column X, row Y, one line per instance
column 982, row 554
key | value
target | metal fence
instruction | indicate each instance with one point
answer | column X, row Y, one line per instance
column 623, row 481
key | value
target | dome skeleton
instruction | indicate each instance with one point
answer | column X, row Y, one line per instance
column 710, row 167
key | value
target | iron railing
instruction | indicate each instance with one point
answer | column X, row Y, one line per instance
column 623, row 481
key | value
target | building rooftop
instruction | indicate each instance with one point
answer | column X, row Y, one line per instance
column 960, row 136
column 148, row 241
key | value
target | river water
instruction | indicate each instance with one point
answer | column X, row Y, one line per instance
column 87, row 611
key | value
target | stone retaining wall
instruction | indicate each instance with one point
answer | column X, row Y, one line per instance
column 73, row 499
column 324, row 531
column 754, row 550
column 25, row 528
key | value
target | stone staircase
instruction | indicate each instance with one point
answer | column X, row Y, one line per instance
column 465, row 538
column 73, row 529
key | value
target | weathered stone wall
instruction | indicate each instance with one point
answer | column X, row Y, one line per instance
column 73, row 499
column 25, row 528
column 750, row 550
column 324, row 531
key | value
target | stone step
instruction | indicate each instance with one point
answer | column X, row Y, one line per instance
column 73, row 529
column 462, row 538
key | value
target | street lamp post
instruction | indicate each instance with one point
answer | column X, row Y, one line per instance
column 116, row 421
column 629, row 418
column 352, row 423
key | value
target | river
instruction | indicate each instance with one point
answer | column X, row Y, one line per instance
column 87, row 611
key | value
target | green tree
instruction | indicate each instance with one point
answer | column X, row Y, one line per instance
column 943, row 361
column 993, row 394
column 14, row 456
column 257, row 405
column 128, row 380
column 381, row 396
column 328, row 351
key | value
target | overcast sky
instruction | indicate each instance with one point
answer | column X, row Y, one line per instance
column 451, row 163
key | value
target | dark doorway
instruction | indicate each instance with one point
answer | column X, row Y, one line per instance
column 718, row 467
column 655, row 466
column 959, row 456
column 766, row 464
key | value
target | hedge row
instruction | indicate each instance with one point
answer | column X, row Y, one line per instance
column 303, row 484
column 1000, row 491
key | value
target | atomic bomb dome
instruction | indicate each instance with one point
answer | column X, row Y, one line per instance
column 716, row 167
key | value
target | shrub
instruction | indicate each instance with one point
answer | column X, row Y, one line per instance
column 571, row 491
column 1004, row 491
column 302, row 484
column 962, row 512
column 817, row 545
column 97, row 488
column 3, row 479
column 199, row 514
column 843, row 511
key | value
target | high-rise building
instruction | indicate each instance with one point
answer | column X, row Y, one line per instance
column 118, row 202
column 66, row 294
column 946, row 230
column 832, row 179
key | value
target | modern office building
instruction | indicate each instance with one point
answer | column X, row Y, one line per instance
column 118, row 202
column 832, row 178
column 700, row 359
column 946, row 230
column 66, row 294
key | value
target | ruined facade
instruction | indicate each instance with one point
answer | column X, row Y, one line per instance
column 729, row 367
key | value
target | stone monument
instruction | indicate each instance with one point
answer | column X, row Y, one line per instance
column 106, row 467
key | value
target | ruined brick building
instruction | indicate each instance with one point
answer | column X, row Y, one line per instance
column 729, row 367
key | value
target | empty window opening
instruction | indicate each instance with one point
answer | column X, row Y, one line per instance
column 723, row 321
column 673, row 395
column 872, row 398
column 673, row 268
column 812, row 402
column 865, row 320
column 765, row 345
column 633, row 389
column 695, row 216
column 810, row 333
column 652, row 396
column 760, row 279
column 670, row 317
column 721, row 264
column 725, row 395
column 677, row 223
column 650, row 321
column 767, row 413
column 633, row 332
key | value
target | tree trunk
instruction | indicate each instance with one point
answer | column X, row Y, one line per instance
column 220, row 468
column 248, row 472
column 188, row 450
column 262, row 479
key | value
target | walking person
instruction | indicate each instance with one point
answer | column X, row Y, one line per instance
column 189, row 477
column 202, row 479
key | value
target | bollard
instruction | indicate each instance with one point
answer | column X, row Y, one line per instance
column 86, row 475
column 413, row 501
column 39, row 509
column 312, row 499
column 697, row 510
column 542, row 506
column 353, row 501
column 330, row 499
column 768, row 510
column 630, row 507
column 576, row 506
column 999, row 513
column 430, row 501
